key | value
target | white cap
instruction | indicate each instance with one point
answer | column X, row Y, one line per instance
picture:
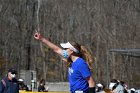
column 68, row 45
column 20, row 80
column 132, row 89
column 111, row 85
column 99, row 85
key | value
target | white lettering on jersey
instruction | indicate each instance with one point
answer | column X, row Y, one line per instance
column 70, row 71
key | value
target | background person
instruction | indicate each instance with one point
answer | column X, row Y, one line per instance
column 132, row 90
column 9, row 83
column 79, row 63
column 22, row 86
column 41, row 87
column 100, row 88
column 125, row 86
column 116, row 87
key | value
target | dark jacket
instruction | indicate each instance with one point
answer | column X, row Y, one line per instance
column 42, row 88
column 9, row 86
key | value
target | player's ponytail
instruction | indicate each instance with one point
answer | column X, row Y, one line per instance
column 87, row 56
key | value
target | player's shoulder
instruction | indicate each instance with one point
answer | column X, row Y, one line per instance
column 81, row 61
column 5, row 78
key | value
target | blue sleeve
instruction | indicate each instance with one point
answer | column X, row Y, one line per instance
column 1, row 87
column 84, row 69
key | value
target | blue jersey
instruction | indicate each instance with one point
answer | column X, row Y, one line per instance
column 77, row 73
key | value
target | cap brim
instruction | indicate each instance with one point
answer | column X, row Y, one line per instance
column 65, row 45
column 68, row 45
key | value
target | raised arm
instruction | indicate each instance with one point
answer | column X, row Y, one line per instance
column 51, row 45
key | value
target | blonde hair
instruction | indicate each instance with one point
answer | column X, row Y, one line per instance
column 87, row 56
column 83, row 53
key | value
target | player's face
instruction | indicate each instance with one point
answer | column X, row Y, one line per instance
column 11, row 75
column 69, row 51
